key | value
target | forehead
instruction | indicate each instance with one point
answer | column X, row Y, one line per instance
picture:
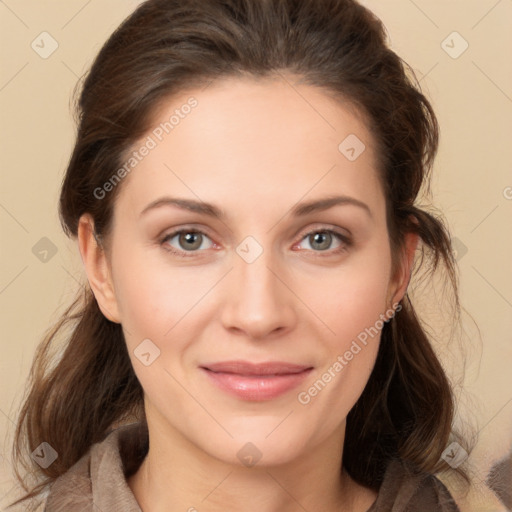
column 253, row 143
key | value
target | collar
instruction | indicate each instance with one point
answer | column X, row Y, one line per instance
column 98, row 480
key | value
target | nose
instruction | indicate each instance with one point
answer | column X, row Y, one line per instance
column 258, row 302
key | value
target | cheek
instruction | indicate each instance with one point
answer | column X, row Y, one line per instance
column 143, row 296
column 351, row 297
column 154, row 296
column 350, row 303
column 351, row 307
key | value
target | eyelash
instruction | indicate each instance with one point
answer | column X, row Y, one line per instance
column 345, row 241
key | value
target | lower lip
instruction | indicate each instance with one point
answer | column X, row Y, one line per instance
column 257, row 387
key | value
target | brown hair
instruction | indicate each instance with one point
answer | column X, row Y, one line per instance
column 164, row 47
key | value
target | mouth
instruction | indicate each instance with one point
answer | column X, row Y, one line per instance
column 256, row 382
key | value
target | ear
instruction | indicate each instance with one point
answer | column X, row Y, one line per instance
column 400, row 281
column 97, row 268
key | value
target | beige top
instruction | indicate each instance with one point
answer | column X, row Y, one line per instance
column 98, row 481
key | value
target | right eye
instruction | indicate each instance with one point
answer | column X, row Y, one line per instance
column 187, row 240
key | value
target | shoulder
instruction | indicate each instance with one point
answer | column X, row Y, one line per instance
column 405, row 489
column 98, row 479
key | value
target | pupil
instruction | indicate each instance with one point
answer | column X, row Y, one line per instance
column 322, row 237
column 191, row 240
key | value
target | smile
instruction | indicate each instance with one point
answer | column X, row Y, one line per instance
column 256, row 382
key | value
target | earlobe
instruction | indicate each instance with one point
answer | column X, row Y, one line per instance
column 96, row 266
column 403, row 275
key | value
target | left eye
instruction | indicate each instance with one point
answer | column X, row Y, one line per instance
column 321, row 240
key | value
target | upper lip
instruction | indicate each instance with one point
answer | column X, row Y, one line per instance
column 247, row 368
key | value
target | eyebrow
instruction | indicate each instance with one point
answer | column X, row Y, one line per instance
column 299, row 210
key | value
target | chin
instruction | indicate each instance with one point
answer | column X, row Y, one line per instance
column 259, row 442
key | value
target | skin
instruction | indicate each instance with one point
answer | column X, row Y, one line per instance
column 254, row 149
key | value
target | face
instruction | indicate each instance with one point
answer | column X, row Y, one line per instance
column 253, row 266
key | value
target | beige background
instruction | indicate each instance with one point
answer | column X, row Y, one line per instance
column 472, row 95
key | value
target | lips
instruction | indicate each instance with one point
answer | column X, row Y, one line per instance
column 262, row 369
column 256, row 382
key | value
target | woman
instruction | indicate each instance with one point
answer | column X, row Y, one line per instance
column 242, row 191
